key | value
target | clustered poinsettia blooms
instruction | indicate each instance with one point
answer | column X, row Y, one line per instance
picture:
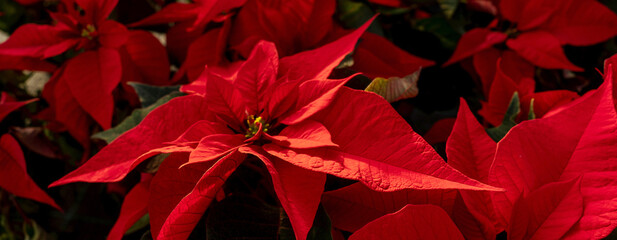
column 534, row 33
column 281, row 112
column 293, row 117
column 110, row 54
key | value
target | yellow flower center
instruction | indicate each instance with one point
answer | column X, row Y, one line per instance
column 253, row 125
column 88, row 32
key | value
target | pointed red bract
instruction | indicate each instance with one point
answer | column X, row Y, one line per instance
column 471, row 151
column 169, row 186
column 213, row 42
column 377, row 57
column 475, row 41
column 40, row 41
column 258, row 73
column 103, row 70
column 200, row 13
column 500, row 95
column 354, row 206
column 411, row 222
column 304, row 135
column 134, row 146
column 542, row 49
column 25, row 63
column 362, row 157
column 13, row 175
column 318, row 63
column 471, row 226
column 134, row 206
column 7, row 105
column 145, row 58
column 293, row 26
column 582, row 23
column 183, row 218
column 548, row 212
column 298, row 190
column 575, row 141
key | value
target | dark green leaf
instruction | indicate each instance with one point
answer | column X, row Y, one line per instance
column 509, row 120
column 11, row 14
column 134, row 119
column 141, row 223
column 149, row 94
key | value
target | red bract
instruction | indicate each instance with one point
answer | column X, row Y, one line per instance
column 296, row 26
column 411, row 222
column 536, row 30
column 293, row 26
column 190, row 21
column 375, row 56
column 356, row 205
column 111, row 54
column 471, row 151
column 134, row 207
column 13, row 175
column 25, row 63
column 284, row 112
column 559, row 171
column 196, row 14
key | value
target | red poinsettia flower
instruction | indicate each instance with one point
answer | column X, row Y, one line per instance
column 288, row 115
column 190, row 21
column 111, row 54
column 559, row 171
column 14, row 177
column 296, row 26
column 536, row 30
column 503, row 87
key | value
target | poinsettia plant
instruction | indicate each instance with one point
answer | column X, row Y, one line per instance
column 307, row 119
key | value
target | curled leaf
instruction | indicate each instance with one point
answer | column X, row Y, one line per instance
column 395, row 88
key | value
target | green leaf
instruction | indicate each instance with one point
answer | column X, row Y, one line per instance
column 531, row 115
column 12, row 12
column 354, row 14
column 32, row 231
column 149, row 94
column 509, row 120
column 395, row 88
column 141, row 223
column 134, row 119
column 441, row 28
column 448, row 7
column 247, row 217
